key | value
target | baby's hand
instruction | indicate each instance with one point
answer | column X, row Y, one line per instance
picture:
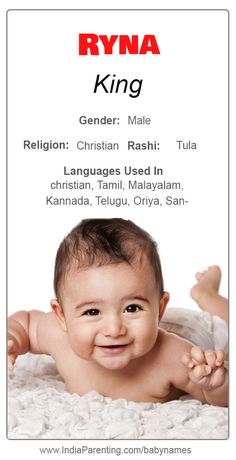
column 206, row 369
column 13, row 351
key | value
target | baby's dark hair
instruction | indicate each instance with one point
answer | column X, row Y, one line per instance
column 103, row 242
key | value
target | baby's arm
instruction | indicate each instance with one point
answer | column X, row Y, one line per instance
column 198, row 376
column 24, row 334
column 207, row 370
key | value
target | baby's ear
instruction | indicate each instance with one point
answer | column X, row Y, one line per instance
column 58, row 311
column 163, row 304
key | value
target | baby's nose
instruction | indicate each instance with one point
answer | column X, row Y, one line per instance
column 114, row 327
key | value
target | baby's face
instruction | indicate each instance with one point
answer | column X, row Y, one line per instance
column 111, row 313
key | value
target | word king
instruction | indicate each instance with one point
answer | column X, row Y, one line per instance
column 111, row 84
column 123, row 44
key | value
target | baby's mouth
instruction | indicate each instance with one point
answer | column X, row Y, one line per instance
column 112, row 349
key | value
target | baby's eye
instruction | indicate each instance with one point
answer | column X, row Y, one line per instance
column 133, row 308
column 92, row 312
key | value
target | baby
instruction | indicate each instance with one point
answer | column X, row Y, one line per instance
column 103, row 331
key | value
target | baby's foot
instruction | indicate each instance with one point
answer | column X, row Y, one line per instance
column 208, row 284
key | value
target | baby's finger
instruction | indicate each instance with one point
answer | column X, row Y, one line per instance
column 220, row 357
column 11, row 361
column 226, row 364
column 187, row 360
column 10, row 344
column 198, row 356
column 211, row 358
column 200, row 371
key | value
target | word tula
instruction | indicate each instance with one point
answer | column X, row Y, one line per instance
column 121, row 44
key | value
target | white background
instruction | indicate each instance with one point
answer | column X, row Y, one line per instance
column 218, row 449
column 184, row 92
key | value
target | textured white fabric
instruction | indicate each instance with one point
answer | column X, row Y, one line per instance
column 39, row 407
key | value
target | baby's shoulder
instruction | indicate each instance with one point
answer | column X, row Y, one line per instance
column 165, row 362
column 171, row 345
column 50, row 334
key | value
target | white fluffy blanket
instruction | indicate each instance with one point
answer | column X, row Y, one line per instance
column 39, row 407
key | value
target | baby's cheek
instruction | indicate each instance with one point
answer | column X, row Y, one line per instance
column 80, row 341
column 147, row 334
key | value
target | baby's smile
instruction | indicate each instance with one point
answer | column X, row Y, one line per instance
column 114, row 349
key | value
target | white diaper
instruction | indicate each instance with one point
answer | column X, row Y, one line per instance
column 200, row 328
